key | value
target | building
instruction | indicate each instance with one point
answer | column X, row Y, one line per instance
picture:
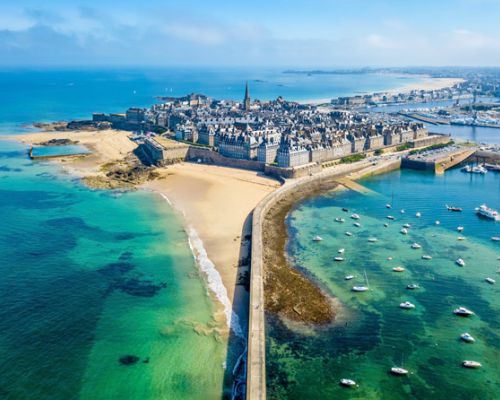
column 290, row 154
column 246, row 100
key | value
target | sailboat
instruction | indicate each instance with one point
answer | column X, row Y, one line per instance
column 362, row 288
column 399, row 371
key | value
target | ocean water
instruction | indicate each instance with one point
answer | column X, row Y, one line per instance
column 371, row 333
column 89, row 277
column 47, row 95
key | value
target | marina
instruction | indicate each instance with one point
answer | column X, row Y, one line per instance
column 392, row 311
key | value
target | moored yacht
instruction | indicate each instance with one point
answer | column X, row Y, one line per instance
column 402, row 211
column 404, row 231
column 388, row 206
column 338, row 219
column 317, row 239
column 418, row 214
column 426, row 257
column 347, row 382
column 372, row 239
column 398, row 269
column 341, row 251
column 349, row 277
column 348, row 234
column 466, row 337
column 453, row 208
column 407, row 305
column 357, row 224
column 463, row 312
column 438, row 222
column 338, row 258
column 345, row 209
column 460, row 262
column 491, row 281
column 495, row 238
column 355, row 216
column 412, row 286
column 486, row 212
column 460, row 228
column 416, row 246
column 391, row 217
column 461, row 238
column 407, row 226
column 471, row 364
column 361, row 288
column 399, row 371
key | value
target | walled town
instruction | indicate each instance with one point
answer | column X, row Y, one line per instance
column 275, row 135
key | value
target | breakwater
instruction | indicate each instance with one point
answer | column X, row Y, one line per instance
column 256, row 361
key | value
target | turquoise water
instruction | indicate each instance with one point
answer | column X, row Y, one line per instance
column 89, row 277
column 48, row 95
column 372, row 333
column 53, row 151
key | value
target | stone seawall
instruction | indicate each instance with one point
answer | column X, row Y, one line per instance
column 256, row 360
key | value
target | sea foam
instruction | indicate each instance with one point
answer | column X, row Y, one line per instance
column 214, row 280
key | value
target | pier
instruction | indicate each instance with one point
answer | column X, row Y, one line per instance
column 437, row 160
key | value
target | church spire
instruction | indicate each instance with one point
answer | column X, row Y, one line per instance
column 246, row 101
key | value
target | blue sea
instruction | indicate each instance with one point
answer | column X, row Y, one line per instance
column 100, row 294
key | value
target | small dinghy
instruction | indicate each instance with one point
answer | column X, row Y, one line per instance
column 460, row 238
column 412, row 286
column 404, row 231
column 438, row 222
column 338, row 258
column 372, row 239
column 460, row 228
column 398, row 269
column 391, row 217
column 341, row 251
column 348, row 234
column 460, row 262
column 338, row 219
column 355, row 216
column 349, row 277
column 416, row 246
column 317, row 239
column 491, row 281
column 407, row 305
column 407, row 226
column 357, row 224
column 426, row 257
column 418, row 215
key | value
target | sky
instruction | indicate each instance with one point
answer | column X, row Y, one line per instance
column 284, row 33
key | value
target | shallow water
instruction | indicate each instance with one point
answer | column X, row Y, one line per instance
column 89, row 277
column 56, row 151
column 372, row 334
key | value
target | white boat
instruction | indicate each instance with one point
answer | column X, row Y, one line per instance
column 437, row 222
column 461, row 238
column 402, row 211
column 407, row 226
column 487, row 212
column 391, row 217
column 388, row 206
column 317, row 239
column 418, row 215
column 466, row 337
column 362, row 288
column 398, row 269
column 372, row 239
column 426, row 257
column 495, row 238
column 349, row 277
column 357, row 224
column 412, row 286
column 338, row 219
column 491, row 281
column 404, row 231
column 462, row 311
column 474, row 170
column 407, row 305
column 386, row 225
column 399, row 371
column 341, row 251
column 339, row 258
column 460, row 228
column 471, row 364
column 416, row 246
column 348, row 234
column 355, row 216
column 347, row 382
column 389, row 258
column 460, row 262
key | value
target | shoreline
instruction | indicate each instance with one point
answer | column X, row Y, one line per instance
column 426, row 83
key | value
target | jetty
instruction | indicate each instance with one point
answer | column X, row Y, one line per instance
column 438, row 160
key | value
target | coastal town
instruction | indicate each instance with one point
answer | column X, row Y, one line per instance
column 280, row 137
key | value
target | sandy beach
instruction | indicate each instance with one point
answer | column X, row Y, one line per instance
column 426, row 83
column 106, row 146
column 216, row 202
